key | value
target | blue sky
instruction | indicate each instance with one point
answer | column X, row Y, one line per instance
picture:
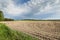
column 31, row 9
column 21, row 1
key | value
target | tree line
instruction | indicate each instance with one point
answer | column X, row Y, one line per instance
column 2, row 18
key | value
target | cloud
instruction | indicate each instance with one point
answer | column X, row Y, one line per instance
column 36, row 9
column 15, row 11
column 9, row 8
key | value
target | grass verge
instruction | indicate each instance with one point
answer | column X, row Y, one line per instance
column 8, row 34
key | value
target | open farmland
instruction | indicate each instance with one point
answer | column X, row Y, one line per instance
column 44, row 30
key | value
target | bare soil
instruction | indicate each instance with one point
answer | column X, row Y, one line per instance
column 44, row 30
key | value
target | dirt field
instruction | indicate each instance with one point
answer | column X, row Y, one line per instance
column 44, row 30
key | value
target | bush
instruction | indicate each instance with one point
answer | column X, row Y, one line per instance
column 1, row 16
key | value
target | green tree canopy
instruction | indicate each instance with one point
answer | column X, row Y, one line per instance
column 1, row 16
column 8, row 19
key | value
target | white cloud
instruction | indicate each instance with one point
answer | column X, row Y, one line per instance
column 11, row 9
column 32, row 8
column 14, row 10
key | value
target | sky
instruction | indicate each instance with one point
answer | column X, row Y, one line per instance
column 31, row 9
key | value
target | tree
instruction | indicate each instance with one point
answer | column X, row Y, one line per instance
column 1, row 16
column 7, row 19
